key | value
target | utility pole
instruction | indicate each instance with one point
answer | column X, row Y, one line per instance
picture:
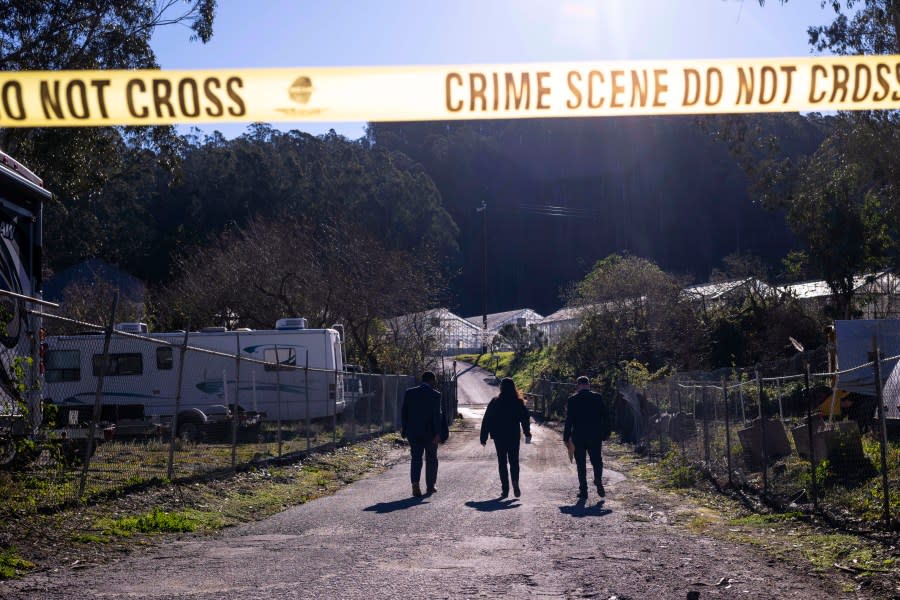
column 483, row 211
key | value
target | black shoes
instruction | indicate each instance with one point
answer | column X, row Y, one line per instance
column 582, row 494
column 416, row 490
column 431, row 490
column 504, row 492
column 600, row 491
column 516, row 491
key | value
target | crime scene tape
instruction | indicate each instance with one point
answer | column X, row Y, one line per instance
column 432, row 93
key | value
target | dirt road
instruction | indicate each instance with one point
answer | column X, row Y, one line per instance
column 372, row 540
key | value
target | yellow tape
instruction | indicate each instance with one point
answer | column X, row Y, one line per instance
column 81, row 98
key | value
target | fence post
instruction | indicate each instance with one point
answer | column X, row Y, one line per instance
column 308, row 423
column 356, row 402
column 780, row 405
column 693, row 419
column 278, row 398
column 879, row 396
column 234, row 405
column 703, row 407
column 381, row 408
column 812, row 446
column 170, row 471
column 762, row 435
column 727, row 431
column 715, row 410
column 381, row 398
column 98, row 396
column 334, row 409
column 545, row 398
column 693, row 399
column 369, row 410
column 659, row 421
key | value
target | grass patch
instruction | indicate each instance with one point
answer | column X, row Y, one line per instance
column 155, row 521
column 499, row 363
column 675, row 471
column 826, row 550
column 767, row 519
column 700, row 523
column 151, row 514
column 506, row 364
column 637, row 518
column 89, row 538
column 785, row 534
column 11, row 564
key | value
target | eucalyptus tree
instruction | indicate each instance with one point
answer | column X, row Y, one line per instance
column 76, row 163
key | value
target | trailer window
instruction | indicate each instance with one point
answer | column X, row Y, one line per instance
column 120, row 364
column 286, row 357
column 62, row 365
column 164, row 359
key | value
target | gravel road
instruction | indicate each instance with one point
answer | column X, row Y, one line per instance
column 372, row 540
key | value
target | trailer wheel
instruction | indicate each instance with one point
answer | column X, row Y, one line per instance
column 17, row 452
column 189, row 432
column 7, row 451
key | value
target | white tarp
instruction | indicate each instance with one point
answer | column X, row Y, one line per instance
column 891, row 394
column 854, row 348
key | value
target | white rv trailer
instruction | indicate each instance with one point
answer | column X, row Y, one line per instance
column 143, row 374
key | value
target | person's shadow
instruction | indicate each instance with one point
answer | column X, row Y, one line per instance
column 581, row 509
column 493, row 504
column 389, row 507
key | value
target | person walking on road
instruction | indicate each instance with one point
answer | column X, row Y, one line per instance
column 503, row 418
column 587, row 425
column 421, row 420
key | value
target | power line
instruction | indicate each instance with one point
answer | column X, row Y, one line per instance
column 550, row 210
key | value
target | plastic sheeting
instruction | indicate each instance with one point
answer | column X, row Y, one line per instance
column 854, row 348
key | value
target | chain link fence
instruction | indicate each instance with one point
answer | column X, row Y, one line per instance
column 792, row 438
column 783, row 431
column 547, row 398
column 124, row 409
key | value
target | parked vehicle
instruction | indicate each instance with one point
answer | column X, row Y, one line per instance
column 22, row 195
column 295, row 374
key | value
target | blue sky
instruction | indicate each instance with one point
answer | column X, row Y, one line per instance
column 266, row 33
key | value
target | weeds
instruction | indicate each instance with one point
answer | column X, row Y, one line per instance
column 676, row 472
column 11, row 564
column 156, row 521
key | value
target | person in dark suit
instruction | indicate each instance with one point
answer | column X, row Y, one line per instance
column 504, row 416
column 420, row 423
column 587, row 425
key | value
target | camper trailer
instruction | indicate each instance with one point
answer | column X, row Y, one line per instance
column 289, row 373
column 22, row 195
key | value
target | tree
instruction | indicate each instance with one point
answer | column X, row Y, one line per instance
column 76, row 163
column 839, row 216
column 633, row 310
column 874, row 28
column 90, row 302
column 327, row 272
column 840, row 197
column 518, row 338
column 102, row 34
column 739, row 266
column 562, row 192
column 412, row 342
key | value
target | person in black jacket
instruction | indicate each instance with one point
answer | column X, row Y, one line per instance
column 420, row 423
column 504, row 416
column 587, row 425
